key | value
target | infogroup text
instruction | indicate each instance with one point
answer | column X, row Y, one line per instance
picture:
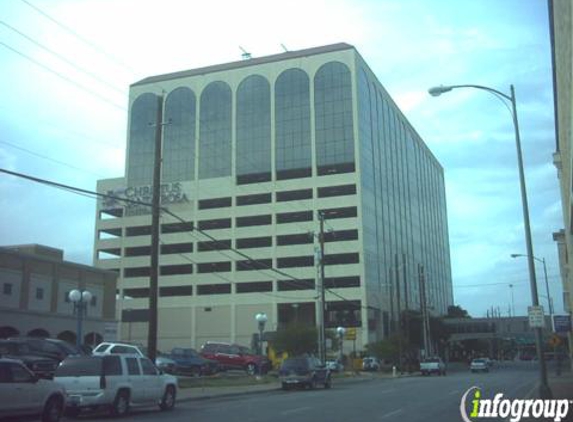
column 515, row 409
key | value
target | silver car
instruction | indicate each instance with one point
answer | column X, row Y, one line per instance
column 22, row 393
column 479, row 365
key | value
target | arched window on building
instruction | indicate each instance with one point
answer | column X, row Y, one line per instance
column 215, row 131
column 293, row 153
column 179, row 136
column 142, row 140
column 333, row 119
column 253, row 150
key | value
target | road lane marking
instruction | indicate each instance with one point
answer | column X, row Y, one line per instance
column 395, row 412
column 386, row 391
column 298, row 409
column 451, row 393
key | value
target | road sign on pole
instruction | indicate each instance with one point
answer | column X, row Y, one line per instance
column 350, row 334
column 536, row 318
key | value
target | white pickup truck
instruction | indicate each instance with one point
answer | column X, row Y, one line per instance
column 433, row 365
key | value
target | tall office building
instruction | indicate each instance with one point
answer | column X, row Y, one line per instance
column 253, row 151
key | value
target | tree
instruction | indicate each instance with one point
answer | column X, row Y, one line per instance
column 386, row 349
column 457, row 311
column 296, row 339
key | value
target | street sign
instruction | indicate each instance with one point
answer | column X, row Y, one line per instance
column 350, row 333
column 561, row 323
column 535, row 314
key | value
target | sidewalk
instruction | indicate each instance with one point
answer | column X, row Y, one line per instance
column 562, row 388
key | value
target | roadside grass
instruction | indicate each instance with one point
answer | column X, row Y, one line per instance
column 234, row 380
column 220, row 380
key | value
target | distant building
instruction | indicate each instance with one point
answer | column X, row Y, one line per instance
column 34, row 285
column 560, row 17
column 252, row 152
column 507, row 337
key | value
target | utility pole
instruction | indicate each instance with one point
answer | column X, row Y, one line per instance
column 399, row 310
column 321, row 301
column 155, row 209
column 424, row 309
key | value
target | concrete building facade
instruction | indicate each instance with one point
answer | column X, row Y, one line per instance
column 561, row 17
column 253, row 151
column 35, row 282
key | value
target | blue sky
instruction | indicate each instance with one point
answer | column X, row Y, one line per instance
column 64, row 117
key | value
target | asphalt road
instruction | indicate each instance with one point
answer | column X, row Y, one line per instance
column 408, row 399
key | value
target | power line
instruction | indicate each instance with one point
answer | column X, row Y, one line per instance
column 95, row 195
column 64, row 59
column 65, row 78
column 45, row 157
column 78, row 36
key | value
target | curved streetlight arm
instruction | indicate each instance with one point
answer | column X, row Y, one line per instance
column 438, row 90
column 545, row 391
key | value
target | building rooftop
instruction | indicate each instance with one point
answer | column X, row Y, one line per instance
column 245, row 63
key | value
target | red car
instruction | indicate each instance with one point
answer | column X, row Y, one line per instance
column 234, row 356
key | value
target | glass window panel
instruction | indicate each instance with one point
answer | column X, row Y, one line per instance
column 292, row 117
column 179, row 136
column 253, row 153
column 215, row 131
column 333, row 116
column 142, row 140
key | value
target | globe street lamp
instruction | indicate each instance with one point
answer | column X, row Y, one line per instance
column 341, row 331
column 80, row 299
column 261, row 320
column 544, row 390
column 542, row 260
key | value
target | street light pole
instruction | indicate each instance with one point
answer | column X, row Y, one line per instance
column 341, row 331
column 261, row 320
column 80, row 299
column 544, row 390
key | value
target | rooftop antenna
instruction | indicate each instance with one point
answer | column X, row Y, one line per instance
column 246, row 55
column 284, row 48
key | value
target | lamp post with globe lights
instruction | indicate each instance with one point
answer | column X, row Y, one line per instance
column 341, row 331
column 261, row 321
column 544, row 390
column 80, row 300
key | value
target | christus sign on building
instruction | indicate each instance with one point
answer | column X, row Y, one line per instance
column 138, row 196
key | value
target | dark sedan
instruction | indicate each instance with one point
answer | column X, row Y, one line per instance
column 304, row 372
column 190, row 362
column 42, row 366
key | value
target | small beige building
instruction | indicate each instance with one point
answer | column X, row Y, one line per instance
column 34, row 285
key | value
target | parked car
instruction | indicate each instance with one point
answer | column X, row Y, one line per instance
column 191, row 362
column 111, row 348
column 42, row 366
column 305, row 372
column 433, row 365
column 233, row 356
column 334, row 366
column 22, row 393
column 114, row 382
column 166, row 364
column 371, row 364
column 163, row 363
column 50, row 347
column 479, row 365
